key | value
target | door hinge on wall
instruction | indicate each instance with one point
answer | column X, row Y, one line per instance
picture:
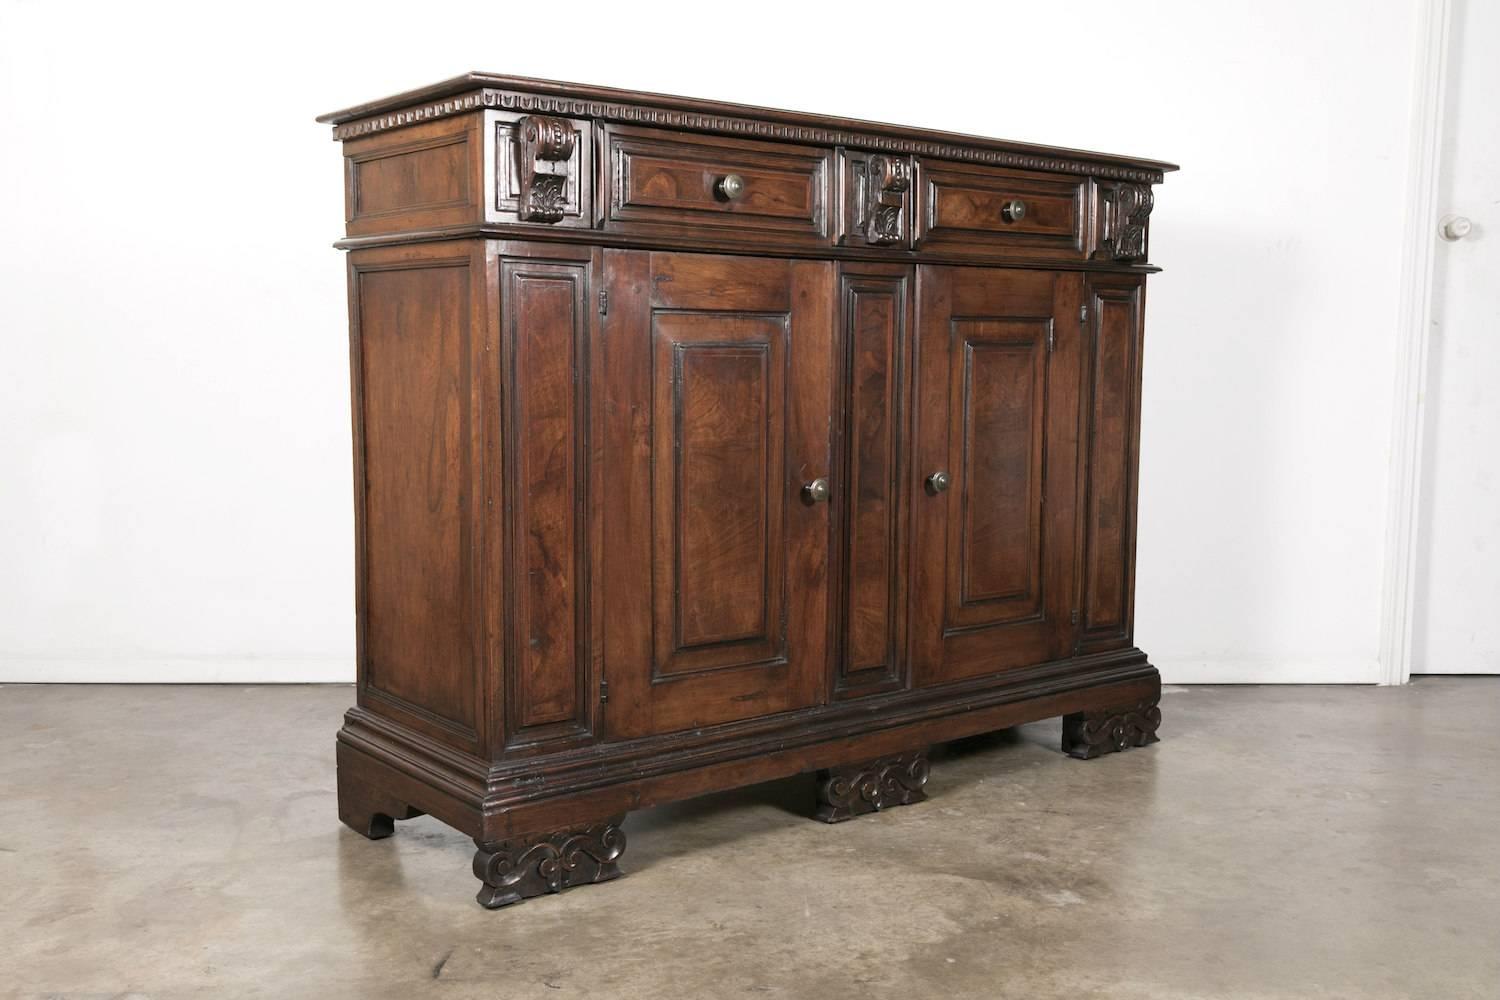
column 1073, row 618
column 604, row 302
column 603, row 692
column 1083, row 313
column 1051, row 340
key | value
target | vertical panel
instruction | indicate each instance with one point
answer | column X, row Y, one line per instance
column 413, row 368
column 999, row 434
column 544, row 333
column 719, row 458
column 874, row 341
column 1109, row 447
column 722, row 416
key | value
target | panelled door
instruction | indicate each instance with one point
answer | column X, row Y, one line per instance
column 995, row 469
column 716, row 448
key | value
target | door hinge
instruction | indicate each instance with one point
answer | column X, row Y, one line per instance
column 604, row 302
column 603, row 692
column 1051, row 340
column 1073, row 618
column 1083, row 314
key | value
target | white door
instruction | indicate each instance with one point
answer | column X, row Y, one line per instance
column 1457, row 611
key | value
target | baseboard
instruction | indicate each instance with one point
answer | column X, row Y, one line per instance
column 176, row 670
column 1199, row 670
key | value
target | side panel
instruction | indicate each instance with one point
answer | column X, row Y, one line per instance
column 1110, row 435
column 423, row 177
column 417, row 469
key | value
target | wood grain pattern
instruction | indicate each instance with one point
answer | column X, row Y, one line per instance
column 1111, row 421
column 998, row 433
column 428, row 175
column 418, row 602
column 720, row 391
column 868, row 633
column 665, row 183
column 961, row 210
column 545, row 336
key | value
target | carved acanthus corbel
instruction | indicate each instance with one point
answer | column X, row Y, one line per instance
column 544, row 154
column 887, row 179
column 1126, row 208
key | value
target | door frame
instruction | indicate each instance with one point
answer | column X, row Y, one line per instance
column 1413, row 334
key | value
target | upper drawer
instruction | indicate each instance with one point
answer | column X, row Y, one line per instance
column 670, row 184
column 977, row 210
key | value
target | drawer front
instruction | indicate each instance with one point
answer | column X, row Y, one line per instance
column 979, row 211
column 662, row 183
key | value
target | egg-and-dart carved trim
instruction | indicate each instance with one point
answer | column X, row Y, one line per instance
column 615, row 111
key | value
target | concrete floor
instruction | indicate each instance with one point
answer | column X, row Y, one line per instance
column 1278, row 843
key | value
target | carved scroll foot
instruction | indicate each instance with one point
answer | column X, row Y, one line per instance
column 368, row 811
column 1089, row 734
column 522, row 867
column 856, row 789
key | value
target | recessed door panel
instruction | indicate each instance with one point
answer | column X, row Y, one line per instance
column 720, row 392
column 716, row 374
column 994, row 483
column 998, row 432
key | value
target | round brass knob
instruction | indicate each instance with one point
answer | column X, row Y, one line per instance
column 1013, row 210
column 730, row 186
column 816, row 491
column 938, row 482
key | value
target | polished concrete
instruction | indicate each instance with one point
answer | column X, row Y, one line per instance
column 1278, row 843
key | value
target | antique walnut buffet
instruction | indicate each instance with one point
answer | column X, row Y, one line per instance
column 697, row 445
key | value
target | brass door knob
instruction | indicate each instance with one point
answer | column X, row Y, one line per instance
column 730, row 186
column 1013, row 210
column 817, row 491
column 938, row 482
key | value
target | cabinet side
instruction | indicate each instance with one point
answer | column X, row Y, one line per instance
column 417, row 335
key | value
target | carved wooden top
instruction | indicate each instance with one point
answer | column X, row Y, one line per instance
column 487, row 90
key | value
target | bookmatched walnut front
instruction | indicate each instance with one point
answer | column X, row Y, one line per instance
column 697, row 445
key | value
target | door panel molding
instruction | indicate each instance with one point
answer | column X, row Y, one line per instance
column 720, row 402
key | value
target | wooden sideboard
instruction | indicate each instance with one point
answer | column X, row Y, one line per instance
column 697, row 445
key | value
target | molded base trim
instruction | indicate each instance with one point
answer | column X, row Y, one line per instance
column 499, row 800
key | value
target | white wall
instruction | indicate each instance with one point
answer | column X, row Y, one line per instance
column 173, row 394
